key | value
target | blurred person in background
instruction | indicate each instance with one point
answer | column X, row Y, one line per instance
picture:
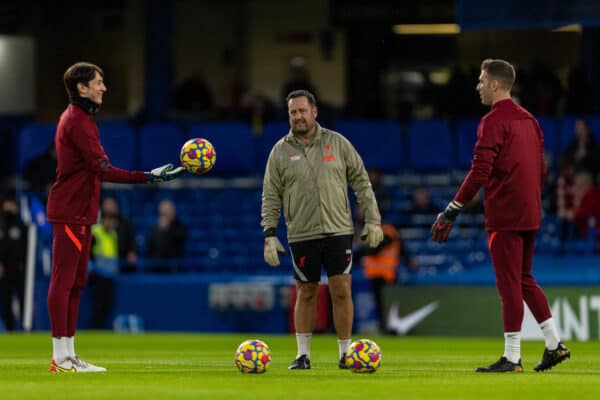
column 40, row 171
column 258, row 109
column 307, row 174
column 299, row 77
column 193, row 96
column 583, row 151
column 166, row 241
column 103, row 268
column 565, row 197
column 508, row 162
column 421, row 202
column 73, row 204
column 125, row 234
column 13, row 249
column 380, row 265
column 585, row 213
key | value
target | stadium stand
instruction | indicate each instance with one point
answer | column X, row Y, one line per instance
column 271, row 133
column 429, row 145
column 159, row 144
column 118, row 140
column 379, row 143
column 466, row 136
column 222, row 209
column 234, row 144
column 33, row 140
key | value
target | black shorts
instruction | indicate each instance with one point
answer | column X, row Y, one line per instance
column 334, row 253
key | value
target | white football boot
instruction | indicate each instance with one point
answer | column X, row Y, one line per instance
column 83, row 366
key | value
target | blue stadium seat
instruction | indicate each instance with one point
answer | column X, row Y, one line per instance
column 159, row 144
column 118, row 140
column 429, row 145
column 549, row 128
column 466, row 136
column 33, row 140
column 379, row 143
column 234, row 144
column 272, row 132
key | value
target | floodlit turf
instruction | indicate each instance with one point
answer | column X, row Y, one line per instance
column 190, row 366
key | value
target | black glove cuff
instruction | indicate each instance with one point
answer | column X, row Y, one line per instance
column 270, row 232
column 452, row 211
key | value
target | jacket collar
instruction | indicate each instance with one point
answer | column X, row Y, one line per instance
column 85, row 104
column 503, row 103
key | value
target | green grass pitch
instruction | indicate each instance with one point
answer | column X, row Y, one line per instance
column 200, row 366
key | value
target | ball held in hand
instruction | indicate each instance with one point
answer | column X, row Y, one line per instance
column 198, row 156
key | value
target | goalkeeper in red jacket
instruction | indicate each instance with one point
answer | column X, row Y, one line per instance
column 73, row 204
column 508, row 162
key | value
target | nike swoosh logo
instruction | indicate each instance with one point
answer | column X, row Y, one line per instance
column 403, row 325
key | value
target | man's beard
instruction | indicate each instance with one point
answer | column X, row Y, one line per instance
column 301, row 131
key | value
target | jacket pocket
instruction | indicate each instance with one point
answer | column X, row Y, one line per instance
column 289, row 209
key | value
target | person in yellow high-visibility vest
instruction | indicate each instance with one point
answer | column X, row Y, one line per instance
column 104, row 267
column 380, row 266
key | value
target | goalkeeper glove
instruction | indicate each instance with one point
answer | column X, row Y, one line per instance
column 372, row 235
column 445, row 220
column 163, row 173
column 272, row 248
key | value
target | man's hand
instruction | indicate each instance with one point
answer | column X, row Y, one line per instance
column 272, row 248
column 372, row 235
column 164, row 173
column 445, row 220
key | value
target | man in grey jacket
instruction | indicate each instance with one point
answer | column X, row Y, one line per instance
column 307, row 174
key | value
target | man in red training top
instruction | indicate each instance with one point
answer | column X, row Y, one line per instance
column 509, row 164
column 73, row 204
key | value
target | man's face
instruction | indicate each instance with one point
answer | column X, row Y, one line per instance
column 94, row 90
column 302, row 115
column 484, row 87
column 109, row 221
column 166, row 209
column 581, row 129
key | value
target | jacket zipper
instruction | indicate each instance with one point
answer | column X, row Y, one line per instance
column 289, row 208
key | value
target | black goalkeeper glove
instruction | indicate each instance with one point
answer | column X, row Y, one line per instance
column 445, row 220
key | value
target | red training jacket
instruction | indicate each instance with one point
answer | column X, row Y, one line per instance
column 82, row 165
column 508, row 162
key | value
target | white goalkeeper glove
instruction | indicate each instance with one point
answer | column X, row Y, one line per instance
column 163, row 173
column 272, row 247
column 372, row 235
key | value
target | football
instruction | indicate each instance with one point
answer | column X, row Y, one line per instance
column 253, row 357
column 197, row 156
column 363, row 355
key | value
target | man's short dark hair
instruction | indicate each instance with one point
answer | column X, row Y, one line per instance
column 81, row 72
column 500, row 70
column 302, row 93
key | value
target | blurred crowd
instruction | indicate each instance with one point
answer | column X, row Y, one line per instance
column 435, row 92
column 574, row 193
